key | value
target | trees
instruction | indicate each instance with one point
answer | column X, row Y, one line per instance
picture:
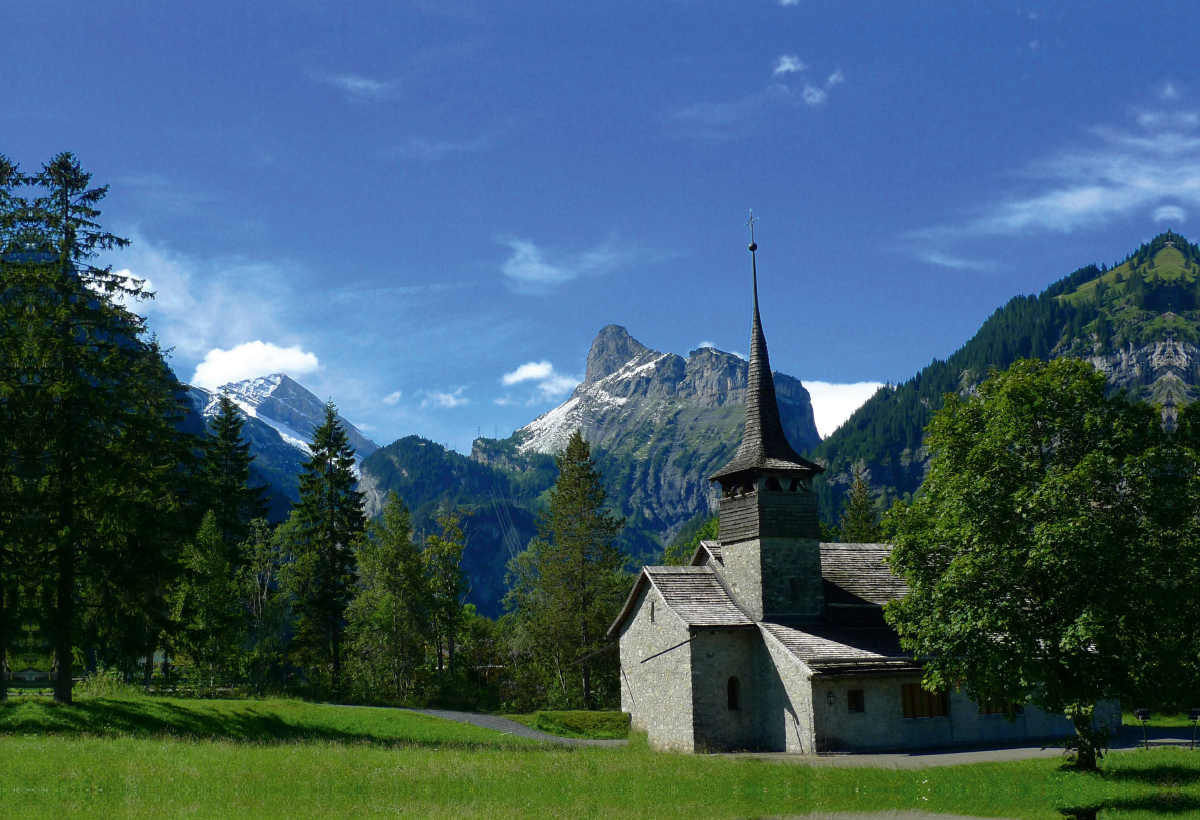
column 264, row 606
column 681, row 550
column 859, row 523
column 94, row 454
column 568, row 584
column 446, row 584
column 1022, row 551
column 224, row 477
column 329, row 526
column 388, row 622
column 205, row 605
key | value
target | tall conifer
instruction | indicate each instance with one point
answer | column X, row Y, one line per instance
column 859, row 522
column 225, row 479
column 329, row 525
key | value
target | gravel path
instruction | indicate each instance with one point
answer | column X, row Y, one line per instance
column 511, row 727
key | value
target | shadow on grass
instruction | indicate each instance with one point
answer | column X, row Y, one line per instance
column 155, row 718
column 1164, row 804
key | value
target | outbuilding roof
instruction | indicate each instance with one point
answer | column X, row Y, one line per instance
column 695, row 594
column 706, row 550
column 859, row 574
column 831, row 650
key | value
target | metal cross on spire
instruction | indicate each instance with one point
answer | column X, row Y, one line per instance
column 750, row 225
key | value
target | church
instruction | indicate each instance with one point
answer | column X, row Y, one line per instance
column 773, row 641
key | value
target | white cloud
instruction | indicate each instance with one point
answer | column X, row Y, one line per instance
column 707, row 343
column 528, row 270
column 788, row 64
column 356, row 85
column 550, row 383
column 530, row 371
column 1169, row 92
column 1170, row 213
column 251, row 359
column 392, row 398
column 946, row 260
column 788, row 2
column 834, row 403
column 836, row 78
column 814, row 96
column 434, row 398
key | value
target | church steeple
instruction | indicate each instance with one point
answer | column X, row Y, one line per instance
column 764, row 445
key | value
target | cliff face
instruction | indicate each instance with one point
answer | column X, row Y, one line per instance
column 1164, row 372
column 660, row 424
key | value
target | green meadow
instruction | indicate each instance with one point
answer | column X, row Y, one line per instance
column 286, row 759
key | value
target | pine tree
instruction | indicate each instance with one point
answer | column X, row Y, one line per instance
column 263, row 604
column 225, row 477
column 447, row 584
column 329, row 526
column 859, row 522
column 568, row 584
column 388, row 622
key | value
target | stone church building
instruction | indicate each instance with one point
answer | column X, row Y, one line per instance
column 774, row 641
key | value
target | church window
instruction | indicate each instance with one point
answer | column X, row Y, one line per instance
column 855, row 701
column 734, row 694
column 773, row 484
column 919, row 702
column 652, row 612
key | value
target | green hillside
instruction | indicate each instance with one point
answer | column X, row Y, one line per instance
column 1139, row 321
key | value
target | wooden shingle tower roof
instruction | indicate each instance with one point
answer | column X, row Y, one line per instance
column 764, row 446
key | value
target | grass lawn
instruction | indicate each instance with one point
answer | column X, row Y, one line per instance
column 344, row 762
column 594, row 725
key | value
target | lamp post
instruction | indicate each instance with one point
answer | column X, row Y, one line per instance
column 1143, row 715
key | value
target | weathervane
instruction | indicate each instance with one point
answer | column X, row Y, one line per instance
column 750, row 225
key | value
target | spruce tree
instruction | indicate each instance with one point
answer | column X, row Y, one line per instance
column 568, row 584
column 329, row 526
column 225, row 479
column 206, row 605
column 859, row 522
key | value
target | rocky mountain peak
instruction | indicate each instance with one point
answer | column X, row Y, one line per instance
column 612, row 349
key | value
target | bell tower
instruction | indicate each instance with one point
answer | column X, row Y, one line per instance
column 769, row 530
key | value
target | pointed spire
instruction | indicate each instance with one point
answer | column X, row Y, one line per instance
column 763, row 441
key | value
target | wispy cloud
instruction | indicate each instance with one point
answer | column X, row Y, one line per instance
column 358, row 86
column 550, row 383
column 788, row 64
column 393, row 398
column 1154, row 171
column 423, row 150
column 530, row 269
column 1169, row 92
column 434, row 398
column 789, row 2
column 947, row 260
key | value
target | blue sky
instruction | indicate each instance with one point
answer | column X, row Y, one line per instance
column 402, row 204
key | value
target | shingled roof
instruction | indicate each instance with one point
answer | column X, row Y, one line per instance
column 843, row 650
column 764, row 444
column 858, row 574
column 706, row 550
column 695, row 594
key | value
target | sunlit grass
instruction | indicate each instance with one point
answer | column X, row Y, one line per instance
column 367, row 762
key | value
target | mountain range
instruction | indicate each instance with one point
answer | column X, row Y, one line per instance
column 660, row 423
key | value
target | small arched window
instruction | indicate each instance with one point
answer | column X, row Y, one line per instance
column 735, row 694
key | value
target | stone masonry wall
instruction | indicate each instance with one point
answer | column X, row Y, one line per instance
column 657, row 694
column 791, row 577
column 786, row 703
column 718, row 655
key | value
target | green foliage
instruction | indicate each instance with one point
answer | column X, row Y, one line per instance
column 859, row 522
column 567, row 587
column 446, row 584
column 1023, row 553
column 389, row 620
column 266, row 614
column 329, row 528
column 703, row 527
column 206, row 607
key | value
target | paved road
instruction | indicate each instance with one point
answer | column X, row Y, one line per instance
column 1129, row 738
column 511, row 727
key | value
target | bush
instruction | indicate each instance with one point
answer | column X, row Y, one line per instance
column 596, row 725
